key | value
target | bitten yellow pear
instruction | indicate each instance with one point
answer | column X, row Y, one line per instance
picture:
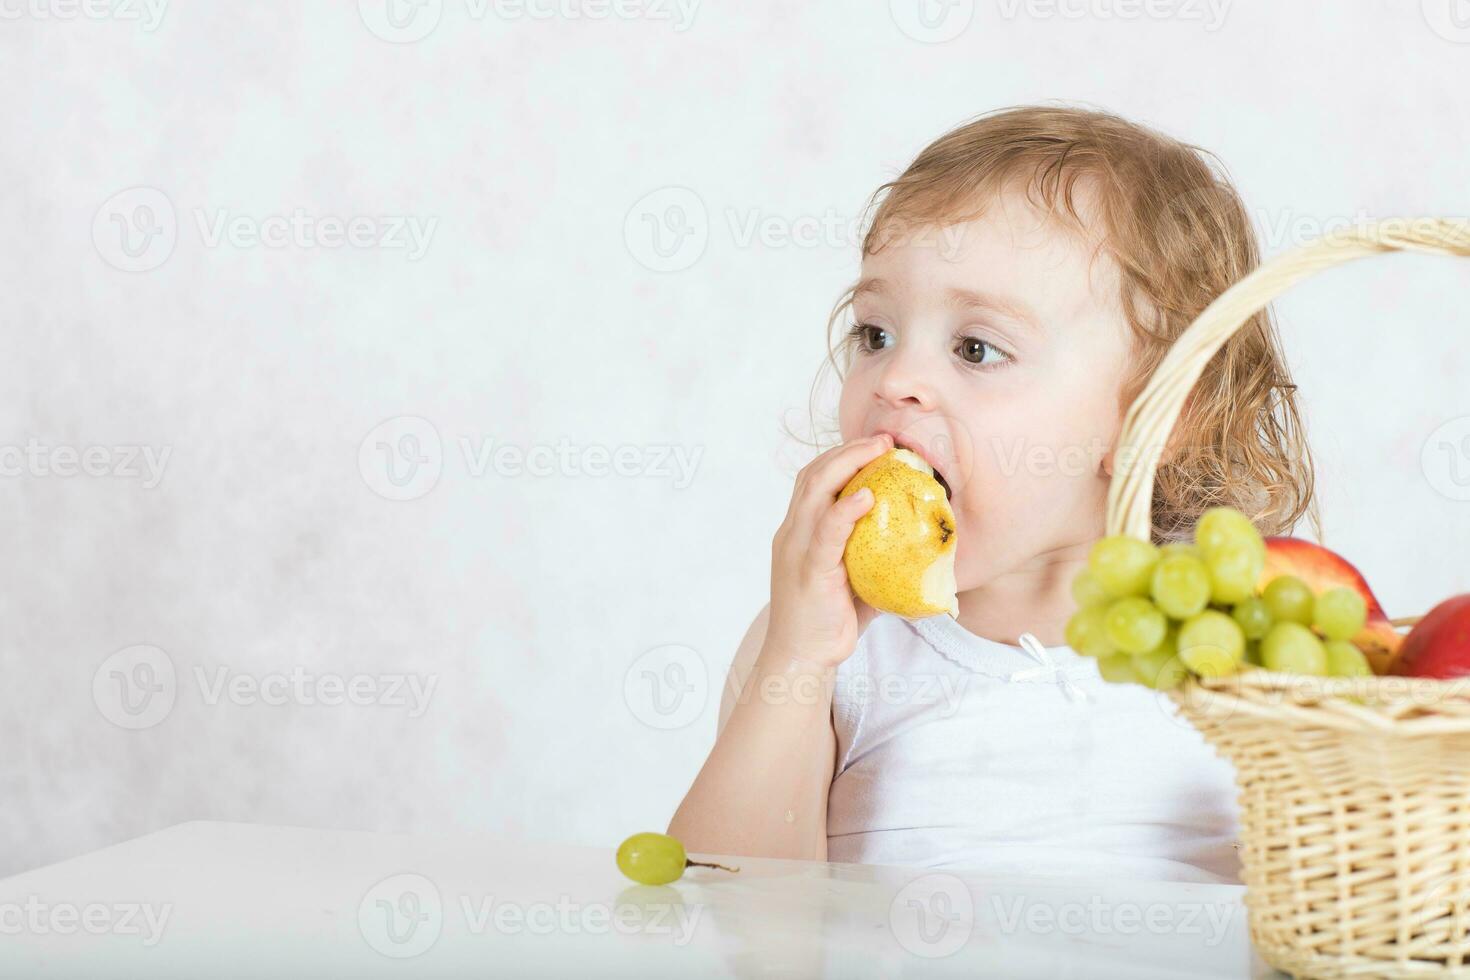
column 900, row 555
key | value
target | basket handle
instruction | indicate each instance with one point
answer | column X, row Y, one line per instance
column 1151, row 417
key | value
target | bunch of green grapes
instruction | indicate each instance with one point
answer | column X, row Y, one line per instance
column 1154, row 615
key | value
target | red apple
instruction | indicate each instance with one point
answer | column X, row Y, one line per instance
column 1323, row 569
column 1439, row 644
column 1319, row 567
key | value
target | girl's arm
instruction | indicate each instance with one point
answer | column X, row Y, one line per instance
column 763, row 789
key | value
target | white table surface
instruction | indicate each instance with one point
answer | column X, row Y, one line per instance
column 238, row 900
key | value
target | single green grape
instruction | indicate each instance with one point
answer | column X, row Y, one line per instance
column 1339, row 613
column 1123, row 565
column 1181, row 585
column 1134, row 625
column 1235, row 567
column 1222, row 526
column 652, row 859
column 1253, row 616
column 1088, row 591
column 1290, row 600
column 1117, row 668
column 1346, row 660
column 1291, row 648
column 1159, row 669
column 656, row 859
column 1211, row 644
column 1087, row 632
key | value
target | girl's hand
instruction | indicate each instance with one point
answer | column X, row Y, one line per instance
column 815, row 618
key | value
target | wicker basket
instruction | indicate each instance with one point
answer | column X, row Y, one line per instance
column 1354, row 793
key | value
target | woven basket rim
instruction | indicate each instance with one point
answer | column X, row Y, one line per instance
column 1402, row 706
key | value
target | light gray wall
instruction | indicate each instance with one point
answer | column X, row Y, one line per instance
column 534, row 310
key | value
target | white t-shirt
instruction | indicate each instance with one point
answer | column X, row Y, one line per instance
column 954, row 751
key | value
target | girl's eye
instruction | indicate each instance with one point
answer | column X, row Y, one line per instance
column 981, row 352
column 868, row 337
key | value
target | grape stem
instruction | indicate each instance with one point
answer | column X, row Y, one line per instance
column 701, row 864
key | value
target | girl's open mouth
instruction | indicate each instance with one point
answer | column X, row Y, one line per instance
column 948, row 493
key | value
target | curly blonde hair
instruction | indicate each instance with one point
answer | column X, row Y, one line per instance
column 1179, row 233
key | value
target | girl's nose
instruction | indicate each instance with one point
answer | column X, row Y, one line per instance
column 907, row 380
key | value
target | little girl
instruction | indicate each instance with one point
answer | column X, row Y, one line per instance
column 1020, row 281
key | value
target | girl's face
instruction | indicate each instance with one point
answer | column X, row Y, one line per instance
column 996, row 349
